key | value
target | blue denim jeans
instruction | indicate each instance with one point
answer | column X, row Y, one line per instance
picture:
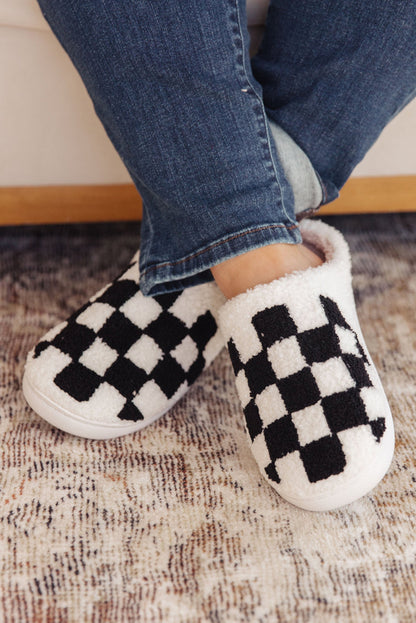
column 226, row 150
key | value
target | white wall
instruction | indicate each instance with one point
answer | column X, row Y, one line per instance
column 48, row 128
column 395, row 151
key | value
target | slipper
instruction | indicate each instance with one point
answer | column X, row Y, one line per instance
column 123, row 359
column 317, row 417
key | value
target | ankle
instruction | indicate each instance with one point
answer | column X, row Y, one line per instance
column 263, row 265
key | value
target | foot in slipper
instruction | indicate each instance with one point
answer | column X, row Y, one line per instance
column 316, row 414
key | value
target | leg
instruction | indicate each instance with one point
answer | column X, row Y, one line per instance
column 334, row 74
column 172, row 85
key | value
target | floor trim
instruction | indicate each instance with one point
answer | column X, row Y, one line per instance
column 28, row 205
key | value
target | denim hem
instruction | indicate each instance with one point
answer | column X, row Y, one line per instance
column 329, row 191
column 194, row 269
column 308, row 213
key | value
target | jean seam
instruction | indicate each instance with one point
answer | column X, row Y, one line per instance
column 217, row 244
column 260, row 118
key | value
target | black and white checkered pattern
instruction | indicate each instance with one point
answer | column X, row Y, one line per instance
column 318, row 381
column 138, row 353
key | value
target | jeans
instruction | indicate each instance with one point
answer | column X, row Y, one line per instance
column 225, row 150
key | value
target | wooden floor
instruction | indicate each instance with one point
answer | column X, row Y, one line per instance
column 80, row 204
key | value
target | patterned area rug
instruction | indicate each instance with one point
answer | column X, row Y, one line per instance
column 175, row 524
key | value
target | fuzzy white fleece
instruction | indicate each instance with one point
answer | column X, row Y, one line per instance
column 367, row 459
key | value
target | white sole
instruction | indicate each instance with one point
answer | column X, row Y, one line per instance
column 74, row 424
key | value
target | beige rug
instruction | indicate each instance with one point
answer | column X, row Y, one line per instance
column 175, row 524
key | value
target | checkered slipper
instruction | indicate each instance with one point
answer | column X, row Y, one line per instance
column 316, row 414
column 123, row 359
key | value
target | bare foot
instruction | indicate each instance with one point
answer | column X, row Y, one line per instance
column 263, row 265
